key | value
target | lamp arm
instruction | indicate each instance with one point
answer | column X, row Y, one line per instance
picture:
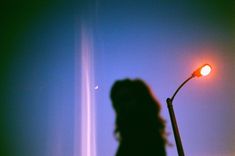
column 172, row 98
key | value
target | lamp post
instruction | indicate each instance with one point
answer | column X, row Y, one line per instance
column 201, row 71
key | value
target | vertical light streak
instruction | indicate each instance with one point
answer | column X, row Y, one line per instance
column 88, row 129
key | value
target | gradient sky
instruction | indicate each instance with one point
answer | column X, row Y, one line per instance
column 158, row 41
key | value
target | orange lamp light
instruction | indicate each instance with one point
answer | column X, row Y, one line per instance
column 202, row 71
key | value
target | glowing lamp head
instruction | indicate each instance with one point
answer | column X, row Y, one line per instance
column 202, row 71
column 205, row 70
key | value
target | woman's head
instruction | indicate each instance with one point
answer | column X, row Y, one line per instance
column 131, row 95
column 135, row 107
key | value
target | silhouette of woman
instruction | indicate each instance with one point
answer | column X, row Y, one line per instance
column 139, row 128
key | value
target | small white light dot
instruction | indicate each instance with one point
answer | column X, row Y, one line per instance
column 96, row 87
column 205, row 70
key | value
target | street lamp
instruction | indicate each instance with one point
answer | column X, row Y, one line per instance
column 204, row 70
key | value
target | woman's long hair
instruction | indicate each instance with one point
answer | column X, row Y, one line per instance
column 136, row 107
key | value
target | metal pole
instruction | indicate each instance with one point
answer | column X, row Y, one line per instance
column 175, row 128
column 173, row 118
